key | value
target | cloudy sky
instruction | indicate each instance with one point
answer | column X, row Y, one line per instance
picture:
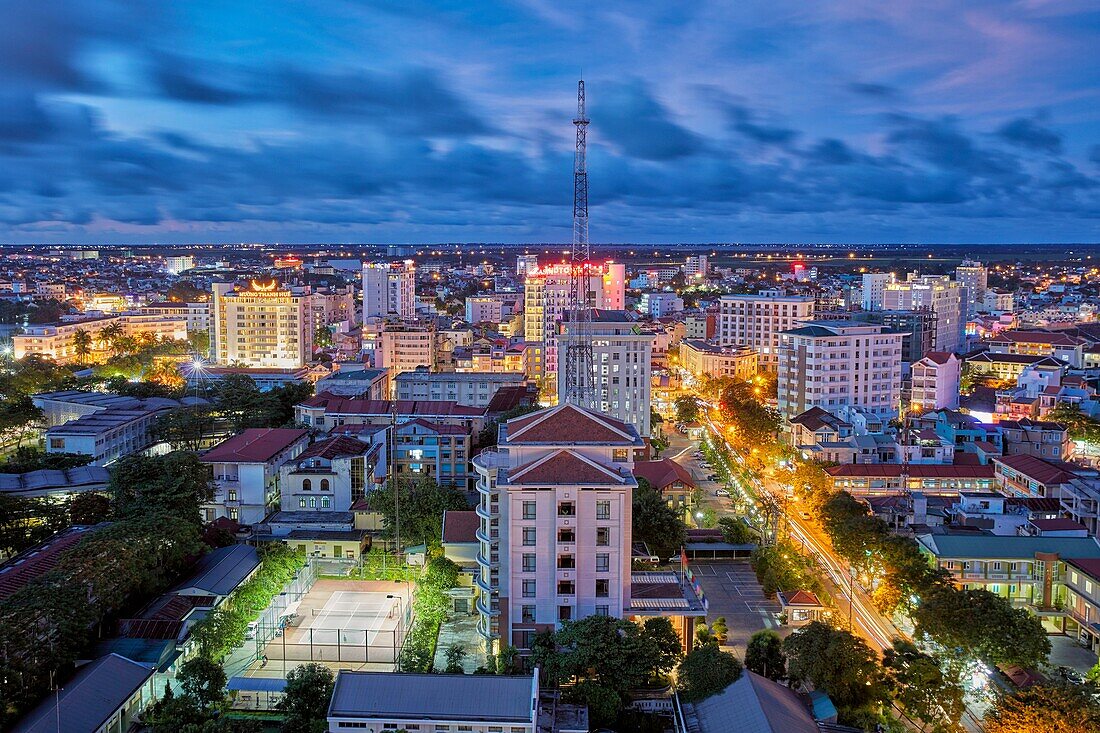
column 420, row 121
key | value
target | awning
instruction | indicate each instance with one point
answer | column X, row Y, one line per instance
column 291, row 609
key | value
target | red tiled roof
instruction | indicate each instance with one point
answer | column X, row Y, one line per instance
column 336, row 405
column 436, row 427
column 1059, row 524
column 802, row 598
column 508, row 398
column 939, row 357
column 563, row 467
column 569, row 424
column 1089, row 565
column 334, row 447
column 893, row 470
column 663, row 473
column 144, row 628
column 36, row 561
column 1036, row 337
column 1042, row 471
column 255, row 445
column 460, row 526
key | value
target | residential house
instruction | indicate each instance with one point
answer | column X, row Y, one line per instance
column 246, row 470
column 428, row 450
column 1048, row 440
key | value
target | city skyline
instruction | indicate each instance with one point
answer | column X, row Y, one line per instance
column 423, row 122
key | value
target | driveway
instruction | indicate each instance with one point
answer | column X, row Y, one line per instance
column 733, row 592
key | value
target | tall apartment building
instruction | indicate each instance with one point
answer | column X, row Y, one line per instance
column 555, row 510
column 829, row 364
column 329, row 306
column 197, row 315
column 405, row 346
column 622, row 371
column 696, row 267
column 939, row 294
column 389, row 289
column 55, row 340
column 874, row 289
column 526, row 264
column 262, row 325
column 546, row 298
column 974, row 277
column 757, row 320
column 484, row 309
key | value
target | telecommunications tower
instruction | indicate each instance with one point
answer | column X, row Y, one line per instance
column 578, row 351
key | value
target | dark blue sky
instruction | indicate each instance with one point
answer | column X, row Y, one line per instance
column 410, row 120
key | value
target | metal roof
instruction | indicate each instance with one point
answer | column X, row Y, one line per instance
column 754, row 704
column 219, row 572
column 1007, row 547
column 489, row 698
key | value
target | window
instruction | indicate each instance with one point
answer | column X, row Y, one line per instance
column 528, row 510
column 325, row 502
column 566, row 536
column 603, row 588
column 567, row 509
column 603, row 610
column 307, row 485
column 529, row 536
column 620, row 455
column 603, row 510
column 529, row 562
column 528, row 614
column 603, row 536
column 324, row 484
column 302, row 503
column 566, row 562
column 232, row 495
column 566, row 588
column 529, row 589
column 565, row 613
column 603, row 562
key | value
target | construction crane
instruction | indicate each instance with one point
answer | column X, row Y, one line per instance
column 578, row 362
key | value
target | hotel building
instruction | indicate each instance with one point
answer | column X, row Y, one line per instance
column 389, row 289
column 757, row 320
column 262, row 325
column 55, row 340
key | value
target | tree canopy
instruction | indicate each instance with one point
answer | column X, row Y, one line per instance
column 1050, row 707
column 422, row 504
column 306, row 699
column 654, row 522
column 837, row 662
column 765, row 656
column 707, row 671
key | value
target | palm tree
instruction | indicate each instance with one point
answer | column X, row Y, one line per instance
column 110, row 335
column 82, row 345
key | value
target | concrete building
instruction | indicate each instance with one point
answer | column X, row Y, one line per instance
column 555, row 508
column 525, row 264
column 938, row 294
column 436, row 451
column 996, row 301
column 546, row 298
column 622, row 362
column 246, row 472
column 1037, row 342
column 348, row 381
column 874, row 290
column 330, row 306
column 55, row 340
column 702, row 359
column 406, row 346
column 974, row 277
column 484, row 309
column 389, row 289
column 466, row 388
column 703, row 326
column 829, row 364
column 889, row 479
column 262, row 325
column 338, row 414
column 333, row 473
column 659, row 305
column 935, row 382
column 197, row 315
column 174, row 265
column 696, row 267
column 757, row 320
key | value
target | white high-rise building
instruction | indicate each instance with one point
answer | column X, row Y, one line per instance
column 262, row 325
column 936, row 378
column 389, row 289
column 832, row 364
column 547, row 297
column 526, row 264
column 973, row 276
column 874, row 289
column 939, row 294
column 695, row 267
column 622, row 373
column 757, row 320
column 176, row 265
column 555, row 511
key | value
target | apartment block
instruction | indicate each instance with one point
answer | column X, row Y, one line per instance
column 938, row 294
column 702, row 359
column 622, row 357
column 874, row 290
column 829, row 364
column 197, row 315
column 935, row 382
column 55, row 340
column 262, row 325
column 389, row 289
column 476, row 389
column 246, row 470
column 757, row 320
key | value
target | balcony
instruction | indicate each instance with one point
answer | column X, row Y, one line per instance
column 482, row 583
column 483, row 512
column 484, row 538
column 485, row 610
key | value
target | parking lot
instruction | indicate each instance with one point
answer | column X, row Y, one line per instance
column 733, row 592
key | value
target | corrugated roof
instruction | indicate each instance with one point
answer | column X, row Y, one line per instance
column 490, row 698
column 1038, row 469
column 220, row 571
column 754, row 704
column 89, row 699
column 916, row 471
column 36, row 561
column 336, row 405
column 1007, row 547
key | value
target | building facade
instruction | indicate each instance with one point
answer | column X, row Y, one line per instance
column 389, row 289
column 757, row 320
column 829, row 364
column 938, row 294
column 702, row 359
column 246, row 468
column 935, row 382
column 56, row 341
column 262, row 325
column 466, row 388
column 555, row 509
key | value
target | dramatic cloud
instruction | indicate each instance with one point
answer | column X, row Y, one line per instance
column 394, row 121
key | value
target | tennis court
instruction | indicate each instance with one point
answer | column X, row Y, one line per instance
column 343, row 621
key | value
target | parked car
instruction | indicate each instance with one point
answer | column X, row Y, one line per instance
column 721, row 492
column 250, row 632
column 712, row 477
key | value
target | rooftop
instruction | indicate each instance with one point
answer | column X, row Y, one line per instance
column 1039, row 469
column 565, row 467
column 220, row 571
column 255, row 445
column 494, row 698
column 460, row 526
column 36, row 561
column 335, row 447
column 569, row 424
column 915, row 471
column 1007, row 547
column 46, row 480
column 753, row 704
column 334, row 404
column 663, row 472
